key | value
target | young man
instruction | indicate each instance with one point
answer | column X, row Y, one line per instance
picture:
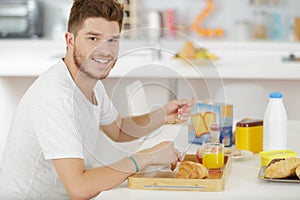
column 57, row 133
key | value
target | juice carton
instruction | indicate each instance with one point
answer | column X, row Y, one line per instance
column 203, row 115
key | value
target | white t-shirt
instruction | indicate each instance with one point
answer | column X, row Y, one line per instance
column 53, row 120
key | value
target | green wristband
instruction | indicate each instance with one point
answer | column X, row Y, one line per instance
column 135, row 164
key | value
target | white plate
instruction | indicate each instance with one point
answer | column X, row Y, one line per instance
column 241, row 154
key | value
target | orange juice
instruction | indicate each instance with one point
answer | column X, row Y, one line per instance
column 213, row 155
column 213, row 160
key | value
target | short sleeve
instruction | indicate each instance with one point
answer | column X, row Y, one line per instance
column 108, row 113
column 56, row 131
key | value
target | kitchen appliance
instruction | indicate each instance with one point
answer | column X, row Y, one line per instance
column 154, row 22
column 20, row 19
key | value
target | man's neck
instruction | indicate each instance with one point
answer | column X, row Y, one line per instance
column 83, row 82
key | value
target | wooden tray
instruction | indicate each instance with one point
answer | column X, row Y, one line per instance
column 165, row 180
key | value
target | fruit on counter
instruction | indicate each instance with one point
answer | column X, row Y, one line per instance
column 189, row 51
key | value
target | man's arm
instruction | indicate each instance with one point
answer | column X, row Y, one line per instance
column 82, row 183
column 131, row 128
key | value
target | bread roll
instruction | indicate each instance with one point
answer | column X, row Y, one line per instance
column 191, row 170
column 298, row 171
column 283, row 168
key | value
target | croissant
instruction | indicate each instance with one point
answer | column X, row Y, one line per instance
column 283, row 168
column 298, row 171
column 191, row 170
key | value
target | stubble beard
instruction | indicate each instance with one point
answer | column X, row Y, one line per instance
column 79, row 63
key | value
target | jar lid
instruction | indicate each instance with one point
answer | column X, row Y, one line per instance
column 249, row 123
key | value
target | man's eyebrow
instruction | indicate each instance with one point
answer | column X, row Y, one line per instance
column 94, row 33
column 100, row 34
column 116, row 37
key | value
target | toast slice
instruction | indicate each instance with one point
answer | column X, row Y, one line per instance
column 201, row 122
column 209, row 118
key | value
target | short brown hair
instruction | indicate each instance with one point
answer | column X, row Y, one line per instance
column 110, row 10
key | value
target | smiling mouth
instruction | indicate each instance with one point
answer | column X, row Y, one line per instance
column 102, row 60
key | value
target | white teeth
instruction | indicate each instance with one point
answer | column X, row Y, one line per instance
column 101, row 61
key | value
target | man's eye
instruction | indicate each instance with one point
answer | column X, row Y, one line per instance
column 113, row 40
column 93, row 38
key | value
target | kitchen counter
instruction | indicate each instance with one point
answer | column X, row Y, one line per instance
column 26, row 58
column 243, row 182
column 258, row 60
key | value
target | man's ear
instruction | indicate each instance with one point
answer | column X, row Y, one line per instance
column 70, row 38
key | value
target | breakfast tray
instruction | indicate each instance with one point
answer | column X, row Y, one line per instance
column 166, row 180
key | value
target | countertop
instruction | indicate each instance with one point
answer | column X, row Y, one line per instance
column 243, row 182
column 259, row 60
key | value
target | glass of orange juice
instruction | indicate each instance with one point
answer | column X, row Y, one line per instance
column 213, row 155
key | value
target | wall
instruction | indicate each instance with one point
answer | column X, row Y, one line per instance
column 249, row 97
column 225, row 15
column 11, row 91
column 55, row 16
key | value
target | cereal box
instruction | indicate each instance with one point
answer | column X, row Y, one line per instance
column 203, row 115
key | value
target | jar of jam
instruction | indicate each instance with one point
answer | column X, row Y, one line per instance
column 249, row 135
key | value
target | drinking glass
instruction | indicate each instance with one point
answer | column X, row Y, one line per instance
column 213, row 155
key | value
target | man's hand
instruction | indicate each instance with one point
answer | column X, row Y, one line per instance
column 178, row 109
column 163, row 153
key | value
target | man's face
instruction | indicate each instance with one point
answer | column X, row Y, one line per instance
column 96, row 47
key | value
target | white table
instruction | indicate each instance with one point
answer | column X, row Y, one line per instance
column 243, row 182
